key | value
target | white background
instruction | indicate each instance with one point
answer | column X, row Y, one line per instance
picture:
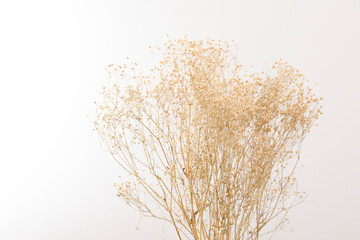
column 55, row 180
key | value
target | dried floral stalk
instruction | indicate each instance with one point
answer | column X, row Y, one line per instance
column 208, row 146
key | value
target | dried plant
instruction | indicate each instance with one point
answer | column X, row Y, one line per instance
column 209, row 147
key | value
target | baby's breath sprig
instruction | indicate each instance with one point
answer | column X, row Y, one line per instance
column 218, row 145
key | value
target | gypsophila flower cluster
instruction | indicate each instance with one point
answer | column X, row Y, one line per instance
column 217, row 144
